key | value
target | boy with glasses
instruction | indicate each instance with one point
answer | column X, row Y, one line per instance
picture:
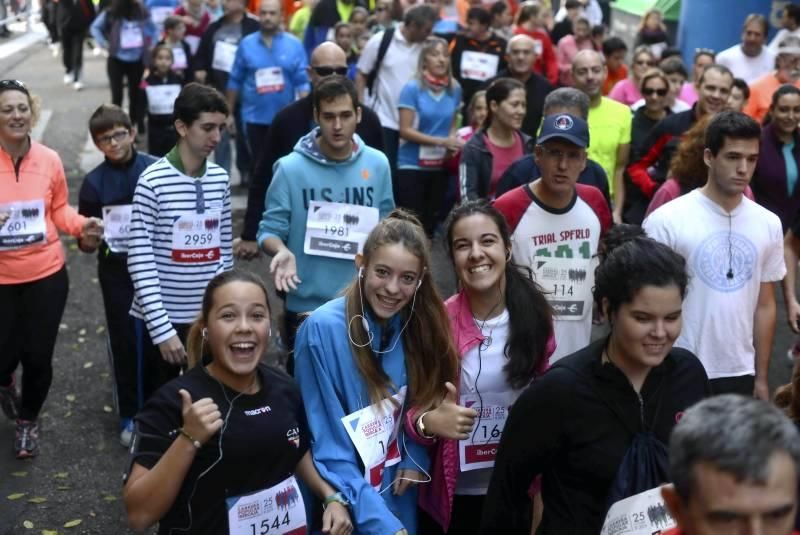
column 107, row 193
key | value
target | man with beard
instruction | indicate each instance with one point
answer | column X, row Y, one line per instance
column 787, row 71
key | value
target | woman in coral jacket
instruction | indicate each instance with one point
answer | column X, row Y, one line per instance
column 502, row 328
column 33, row 277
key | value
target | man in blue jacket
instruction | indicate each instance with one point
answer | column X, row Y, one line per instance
column 324, row 199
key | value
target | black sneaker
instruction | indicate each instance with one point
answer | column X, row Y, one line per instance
column 9, row 400
column 26, row 441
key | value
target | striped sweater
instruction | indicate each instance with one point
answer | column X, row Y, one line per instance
column 168, row 291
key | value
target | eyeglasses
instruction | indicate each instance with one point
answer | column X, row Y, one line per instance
column 13, row 84
column 328, row 71
column 572, row 156
column 650, row 91
column 117, row 137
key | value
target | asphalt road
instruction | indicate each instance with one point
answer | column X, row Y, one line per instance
column 77, row 476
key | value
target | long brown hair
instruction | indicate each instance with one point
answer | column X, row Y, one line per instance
column 687, row 165
column 196, row 350
column 430, row 354
column 787, row 397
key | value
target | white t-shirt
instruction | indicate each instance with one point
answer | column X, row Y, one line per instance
column 744, row 67
column 398, row 67
column 718, row 310
column 482, row 372
column 560, row 248
column 780, row 36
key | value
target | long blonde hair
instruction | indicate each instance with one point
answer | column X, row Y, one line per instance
column 430, row 354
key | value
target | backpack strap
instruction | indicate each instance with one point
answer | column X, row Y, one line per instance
column 386, row 40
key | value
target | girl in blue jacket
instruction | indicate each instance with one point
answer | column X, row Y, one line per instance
column 361, row 360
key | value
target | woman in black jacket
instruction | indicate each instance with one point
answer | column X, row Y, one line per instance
column 575, row 424
column 489, row 152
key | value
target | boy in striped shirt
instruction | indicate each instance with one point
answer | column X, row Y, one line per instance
column 180, row 236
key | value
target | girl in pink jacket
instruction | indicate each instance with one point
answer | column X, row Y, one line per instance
column 502, row 327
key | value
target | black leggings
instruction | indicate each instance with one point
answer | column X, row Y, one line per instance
column 133, row 71
column 29, row 318
column 72, row 48
column 464, row 520
column 423, row 192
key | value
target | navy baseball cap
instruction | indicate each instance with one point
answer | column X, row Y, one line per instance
column 565, row 126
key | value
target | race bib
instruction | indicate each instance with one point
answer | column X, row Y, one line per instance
column 373, row 431
column 224, row 54
column 278, row 510
column 179, row 61
column 194, row 43
column 567, row 283
column 159, row 14
column 131, row 36
column 478, row 65
column 642, row 514
column 338, row 230
column 431, row 156
column 26, row 226
column 480, row 449
column 196, row 238
column 269, row 80
column 161, row 98
column 117, row 227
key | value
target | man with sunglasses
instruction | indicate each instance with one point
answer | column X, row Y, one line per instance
column 289, row 125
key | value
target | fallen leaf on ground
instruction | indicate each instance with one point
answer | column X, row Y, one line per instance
column 106, row 408
column 27, row 524
column 63, row 327
column 49, row 532
column 100, row 330
column 81, row 340
column 88, row 364
column 15, row 496
column 70, row 397
column 62, row 475
column 68, row 414
column 82, row 332
column 110, row 498
column 63, row 487
column 73, row 523
column 37, row 499
column 19, row 474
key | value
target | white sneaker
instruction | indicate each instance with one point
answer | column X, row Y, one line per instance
column 54, row 49
column 126, row 435
column 77, row 86
column 68, row 78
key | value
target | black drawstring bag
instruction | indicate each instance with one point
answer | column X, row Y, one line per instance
column 645, row 466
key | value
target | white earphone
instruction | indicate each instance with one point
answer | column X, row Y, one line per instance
column 365, row 323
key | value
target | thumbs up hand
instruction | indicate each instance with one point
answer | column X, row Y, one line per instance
column 450, row 420
column 201, row 419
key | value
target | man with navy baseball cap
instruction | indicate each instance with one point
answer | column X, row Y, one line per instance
column 556, row 225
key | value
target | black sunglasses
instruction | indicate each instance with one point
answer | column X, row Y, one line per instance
column 328, row 71
column 649, row 91
column 13, row 84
